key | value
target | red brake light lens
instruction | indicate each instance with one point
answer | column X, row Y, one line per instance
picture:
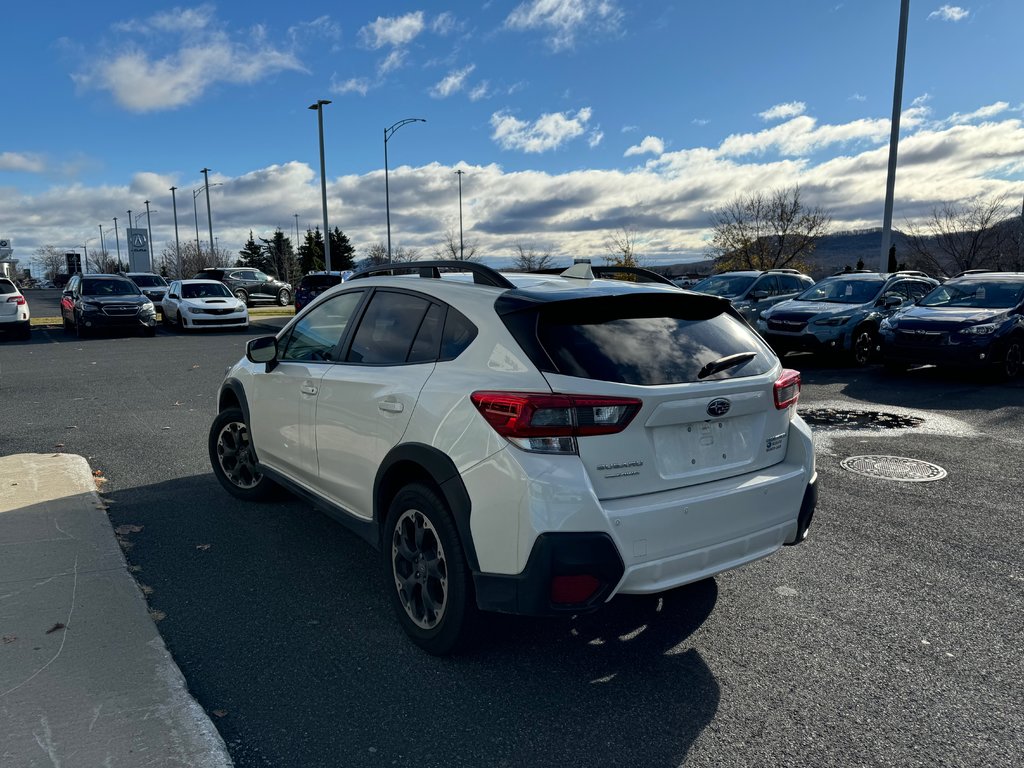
column 551, row 423
column 787, row 389
column 19, row 300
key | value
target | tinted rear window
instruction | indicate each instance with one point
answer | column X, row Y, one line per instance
column 319, row 282
column 148, row 281
column 6, row 286
column 642, row 340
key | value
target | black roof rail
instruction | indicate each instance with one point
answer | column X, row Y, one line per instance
column 482, row 275
column 785, row 270
column 606, row 271
column 971, row 272
column 854, row 272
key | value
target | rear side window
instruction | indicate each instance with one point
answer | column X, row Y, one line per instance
column 319, row 282
column 459, row 333
column 645, row 340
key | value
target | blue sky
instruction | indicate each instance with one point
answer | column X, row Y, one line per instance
column 572, row 119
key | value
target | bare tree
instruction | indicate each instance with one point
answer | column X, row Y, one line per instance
column 530, row 260
column 101, row 261
column 959, row 237
column 450, row 249
column 376, row 254
column 766, row 231
column 51, row 259
column 622, row 244
column 192, row 259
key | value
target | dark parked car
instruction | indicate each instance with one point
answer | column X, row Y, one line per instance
column 94, row 302
column 752, row 292
column 153, row 287
column 315, row 283
column 976, row 321
column 249, row 285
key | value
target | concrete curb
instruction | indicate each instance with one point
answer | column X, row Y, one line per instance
column 85, row 678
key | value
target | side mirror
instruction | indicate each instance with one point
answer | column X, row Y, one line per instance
column 758, row 295
column 891, row 302
column 173, row 296
column 262, row 349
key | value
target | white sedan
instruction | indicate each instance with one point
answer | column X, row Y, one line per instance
column 202, row 304
column 14, row 314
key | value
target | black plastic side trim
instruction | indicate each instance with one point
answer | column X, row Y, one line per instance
column 442, row 470
column 553, row 554
column 365, row 529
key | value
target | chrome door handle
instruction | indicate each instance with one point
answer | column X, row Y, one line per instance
column 308, row 390
column 391, row 405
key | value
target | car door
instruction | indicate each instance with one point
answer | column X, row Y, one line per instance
column 282, row 425
column 169, row 306
column 67, row 299
column 366, row 401
column 244, row 279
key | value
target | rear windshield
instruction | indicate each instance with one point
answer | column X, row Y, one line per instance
column 318, row 282
column 988, row 294
column 6, row 286
column 641, row 339
column 148, row 281
column 725, row 285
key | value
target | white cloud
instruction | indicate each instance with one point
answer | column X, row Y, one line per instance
column 949, row 13
column 563, row 19
column 358, row 85
column 783, row 111
column 207, row 56
column 394, row 60
column 549, row 131
column 983, row 113
column 444, row 24
column 21, row 161
column 857, row 97
column 452, row 83
column 480, row 91
column 700, row 121
column 322, row 27
column 650, row 145
column 595, row 138
column 394, row 31
column 630, row 128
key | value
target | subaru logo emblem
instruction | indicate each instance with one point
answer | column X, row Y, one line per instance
column 719, row 407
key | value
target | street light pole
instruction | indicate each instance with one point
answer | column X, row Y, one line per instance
column 149, row 229
column 209, row 217
column 388, row 133
column 103, row 248
column 177, row 245
column 319, row 107
column 118, row 240
column 462, row 250
column 894, row 135
column 130, row 225
column 195, row 210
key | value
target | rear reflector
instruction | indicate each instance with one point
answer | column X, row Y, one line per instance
column 573, row 589
column 787, row 389
column 549, row 423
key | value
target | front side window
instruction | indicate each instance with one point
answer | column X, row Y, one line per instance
column 388, row 329
column 314, row 337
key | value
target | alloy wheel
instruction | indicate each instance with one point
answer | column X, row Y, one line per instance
column 420, row 569
column 236, row 457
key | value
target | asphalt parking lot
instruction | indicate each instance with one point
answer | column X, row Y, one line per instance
column 892, row 637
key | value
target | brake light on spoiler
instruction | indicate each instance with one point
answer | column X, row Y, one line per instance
column 547, row 423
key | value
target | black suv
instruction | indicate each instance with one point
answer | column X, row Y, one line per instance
column 315, row 283
column 752, row 292
column 153, row 287
column 94, row 302
column 249, row 285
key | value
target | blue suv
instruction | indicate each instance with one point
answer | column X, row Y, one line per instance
column 841, row 314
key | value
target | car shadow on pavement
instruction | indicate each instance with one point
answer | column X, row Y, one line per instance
column 279, row 619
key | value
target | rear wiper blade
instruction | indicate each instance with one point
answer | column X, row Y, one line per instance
column 723, row 363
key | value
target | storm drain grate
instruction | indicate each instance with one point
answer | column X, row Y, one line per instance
column 894, row 468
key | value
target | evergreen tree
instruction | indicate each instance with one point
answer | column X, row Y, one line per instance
column 311, row 252
column 342, row 252
column 279, row 257
column 252, row 254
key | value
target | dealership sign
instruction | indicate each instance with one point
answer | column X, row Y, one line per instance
column 138, row 250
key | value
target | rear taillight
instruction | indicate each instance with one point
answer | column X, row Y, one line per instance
column 787, row 389
column 19, row 300
column 546, row 423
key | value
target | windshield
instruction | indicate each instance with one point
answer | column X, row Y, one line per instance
column 988, row 294
column 843, row 291
column 204, row 290
column 148, row 281
column 725, row 285
column 109, row 288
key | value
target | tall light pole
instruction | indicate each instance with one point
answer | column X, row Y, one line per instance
column 177, row 244
column 130, row 225
column 195, row 210
column 103, row 248
column 118, row 240
column 149, row 229
column 388, row 133
column 319, row 107
column 209, row 217
column 296, row 232
column 894, row 134
column 462, row 250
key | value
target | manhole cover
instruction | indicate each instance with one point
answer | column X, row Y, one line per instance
column 894, row 468
column 837, row 418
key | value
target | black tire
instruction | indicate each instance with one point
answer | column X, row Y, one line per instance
column 164, row 320
column 1013, row 358
column 242, row 296
column 25, row 331
column 426, row 572
column 80, row 330
column 149, row 331
column 284, row 297
column 67, row 324
column 180, row 323
column 894, row 366
column 862, row 348
column 233, row 458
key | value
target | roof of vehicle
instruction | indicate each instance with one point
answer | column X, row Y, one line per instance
column 985, row 275
column 198, row 281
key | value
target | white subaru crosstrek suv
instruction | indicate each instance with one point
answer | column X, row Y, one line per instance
column 523, row 443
